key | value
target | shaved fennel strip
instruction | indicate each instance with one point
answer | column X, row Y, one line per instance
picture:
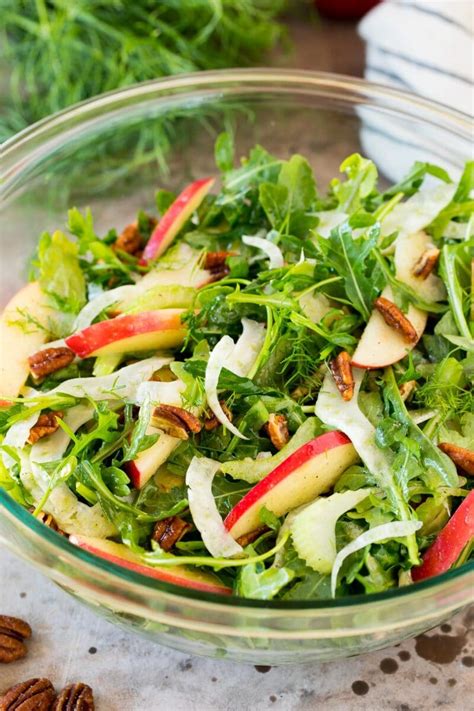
column 220, row 355
column 271, row 250
column 202, row 505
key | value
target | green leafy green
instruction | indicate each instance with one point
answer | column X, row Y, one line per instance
column 59, row 273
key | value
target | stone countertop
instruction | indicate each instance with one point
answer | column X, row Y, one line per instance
column 131, row 674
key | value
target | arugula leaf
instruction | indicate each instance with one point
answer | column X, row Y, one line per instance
column 159, row 502
column 361, row 181
column 59, row 273
column 164, row 199
column 140, row 440
column 455, row 270
column 353, row 260
column 461, row 206
column 410, row 183
column 224, row 151
column 287, row 203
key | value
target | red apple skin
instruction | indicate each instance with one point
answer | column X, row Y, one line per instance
column 141, row 469
column 119, row 554
column 127, row 333
column 449, row 543
column 174, row 218
column 235, row 522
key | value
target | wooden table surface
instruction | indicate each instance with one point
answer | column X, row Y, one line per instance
column 130, row 674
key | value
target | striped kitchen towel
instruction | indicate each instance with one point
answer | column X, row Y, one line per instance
column 425, row 47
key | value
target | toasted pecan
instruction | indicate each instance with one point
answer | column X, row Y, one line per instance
column 169, row 531
column 175, row 421
column 341, row 370
column 277, row 430
column 47, row 424
column 75, row 697
column 211, row 421
column 48, row 521
column 393, row 317
column 49, row 360
column 406, row 389
column 247, row 538
column 463, row 458
column 30, row 695
column 129, row 240
column 216, row 261
column 13, row 632
column 427, row 262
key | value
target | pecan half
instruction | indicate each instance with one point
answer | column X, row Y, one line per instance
column 277, row 430
column 169, row 531
column 30, row 695
column 216, row 261
column 75, row 697
column 211, row 422
column 341, row 370
column 406, row 389
column 47, row 424
column 175, row 421
column 129, row 240
column 12, row 633
column 393, row 317
column 463, row 458
column 48, row 521
column 49, row 360
column 427, row 262
column 252, row 536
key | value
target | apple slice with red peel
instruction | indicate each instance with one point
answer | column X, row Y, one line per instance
column 175, row 217
column 147, row 463
column 147, row 330
column 120, row 554
column 381, row 345
column 311, row 470
column 17, row 342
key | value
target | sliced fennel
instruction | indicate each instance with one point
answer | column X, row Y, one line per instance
column 202, row 505
column 418, row 211
column 269, row 248
column 252, row 470
column 122, row 385
column 247, row 348
column 348, row 417
column 220, row 356
column 314, row 529
column 160, row 392
column 387, row 531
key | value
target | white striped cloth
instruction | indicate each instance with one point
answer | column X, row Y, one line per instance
column 425, row 47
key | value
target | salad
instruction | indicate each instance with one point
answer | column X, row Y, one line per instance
column 260, row 387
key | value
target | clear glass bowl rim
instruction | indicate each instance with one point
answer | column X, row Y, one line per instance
column 336, row 86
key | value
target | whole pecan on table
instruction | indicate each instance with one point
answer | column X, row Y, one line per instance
column 277, row 430
column 211, row 421
column 395, row 318
column 427, row 262
column 13, row 632
column 175, row 421
column 341, row 370
column 49, row 360
column 30, row 695
column 75, row 697
column 169, row 531
column 46, row 424
column 462, row 458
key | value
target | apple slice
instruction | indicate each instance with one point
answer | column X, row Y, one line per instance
column 381, row 345
column 18, row 342
column 141, row 469
column 120, row 554
column 408, row 250
column 175, row 217
column 144, row 331
column 305, row 474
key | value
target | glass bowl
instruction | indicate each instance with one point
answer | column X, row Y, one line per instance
column 112, row 153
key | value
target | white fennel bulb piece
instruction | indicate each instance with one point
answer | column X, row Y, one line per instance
column 206, row 517
column 267, row 247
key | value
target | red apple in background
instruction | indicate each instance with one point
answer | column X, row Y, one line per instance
column 345, row 9
column 305, row 474
column 177, row 575
column 175, row 217
column 147, row 330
